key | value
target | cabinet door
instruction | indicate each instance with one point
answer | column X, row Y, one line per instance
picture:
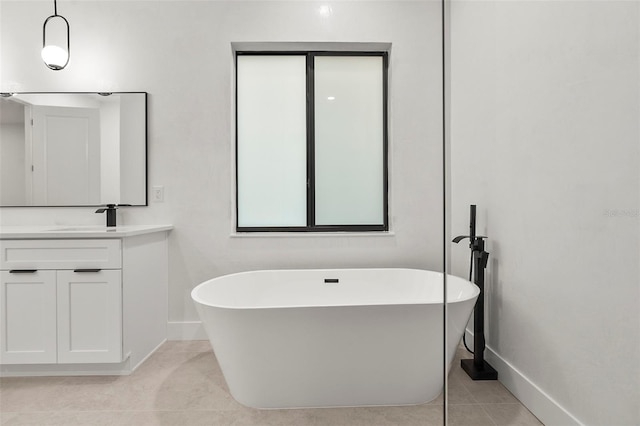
column 89, row 316
column 28, row 317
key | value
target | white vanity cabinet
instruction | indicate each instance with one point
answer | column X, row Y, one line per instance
column 82, row 305
column 61, row 301
column 28, row 332
column 89, row 316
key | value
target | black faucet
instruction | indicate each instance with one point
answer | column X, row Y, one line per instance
column 111, row 214
column 477, row 368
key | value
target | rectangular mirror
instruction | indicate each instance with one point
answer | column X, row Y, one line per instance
column 73, row 149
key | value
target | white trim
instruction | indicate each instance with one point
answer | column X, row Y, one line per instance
column 543, row 406
column 185, row 330
column 375, row 234
column 34, row 370
column 298, row 46
column 123, row 368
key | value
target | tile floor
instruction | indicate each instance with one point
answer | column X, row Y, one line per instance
column 181, row 384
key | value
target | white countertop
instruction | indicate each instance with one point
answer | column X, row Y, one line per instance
column 81, row 231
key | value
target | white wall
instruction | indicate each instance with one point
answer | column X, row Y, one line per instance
column 545, row 140
column 180, row 52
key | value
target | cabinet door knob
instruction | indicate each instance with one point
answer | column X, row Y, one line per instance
column 87, row 270
column 23, row 271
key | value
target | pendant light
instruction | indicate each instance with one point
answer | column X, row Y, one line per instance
column 55, row 57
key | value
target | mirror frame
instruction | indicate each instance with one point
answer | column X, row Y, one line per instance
column 146, row 143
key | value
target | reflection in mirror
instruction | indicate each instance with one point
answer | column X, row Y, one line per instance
column 73, row 149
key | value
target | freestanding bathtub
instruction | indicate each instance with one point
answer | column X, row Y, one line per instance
column 328, row 338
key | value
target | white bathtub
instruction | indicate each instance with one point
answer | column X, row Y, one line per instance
column 298, row 338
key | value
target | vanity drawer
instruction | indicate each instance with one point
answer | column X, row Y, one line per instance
column 60, row 254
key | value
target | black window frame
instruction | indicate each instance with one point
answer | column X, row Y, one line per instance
column 310, row 144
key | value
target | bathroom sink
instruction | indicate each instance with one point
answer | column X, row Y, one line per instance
column 83, row 229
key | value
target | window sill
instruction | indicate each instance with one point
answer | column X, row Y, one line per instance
column 374, row 234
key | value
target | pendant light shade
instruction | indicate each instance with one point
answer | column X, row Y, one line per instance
column 55, row 57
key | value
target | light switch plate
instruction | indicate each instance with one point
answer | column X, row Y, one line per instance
column 157, row 194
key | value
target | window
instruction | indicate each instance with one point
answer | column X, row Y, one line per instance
column 311, row 142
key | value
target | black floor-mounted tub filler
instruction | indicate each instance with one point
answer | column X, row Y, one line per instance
column 477, row 368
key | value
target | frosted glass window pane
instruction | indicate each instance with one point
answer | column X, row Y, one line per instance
column 349, row 143
column 272, row 174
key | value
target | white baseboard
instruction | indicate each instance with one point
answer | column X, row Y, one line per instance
column 545, row 408
column 33, row 370
column 186, row 330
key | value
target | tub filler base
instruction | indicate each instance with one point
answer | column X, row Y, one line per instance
column 485, row 372
column 290, row 354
